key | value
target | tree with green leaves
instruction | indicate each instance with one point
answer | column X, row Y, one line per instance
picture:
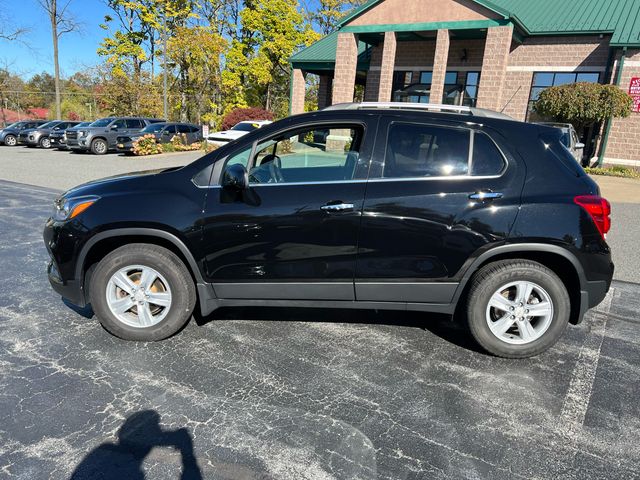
column 329, row 13
column 583, row 104
column 257, row 68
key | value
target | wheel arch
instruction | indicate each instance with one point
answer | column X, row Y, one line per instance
column 105, row 242
column 561, row 261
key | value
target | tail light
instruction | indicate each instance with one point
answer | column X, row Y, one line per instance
column 599, row 209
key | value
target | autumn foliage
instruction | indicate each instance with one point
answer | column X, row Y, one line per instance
column 242, row 114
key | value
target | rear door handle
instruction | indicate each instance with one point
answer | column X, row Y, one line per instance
column 485, row 195
column 337, row 207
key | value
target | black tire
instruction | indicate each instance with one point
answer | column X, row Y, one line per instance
column 44, row 142
column 10, row 140
column 99, row 146
column 493, row 276
column 166, row 263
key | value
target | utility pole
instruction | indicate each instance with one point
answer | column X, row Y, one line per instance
column 164, row 72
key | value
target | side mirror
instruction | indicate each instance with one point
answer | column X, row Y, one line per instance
column 114, row 127
column 236, row 176
column 579, row 145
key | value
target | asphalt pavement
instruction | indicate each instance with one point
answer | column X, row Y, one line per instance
column 65, row 169
column 299, row 393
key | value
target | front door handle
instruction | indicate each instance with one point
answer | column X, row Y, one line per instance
column 337, row 207
column 485, row 195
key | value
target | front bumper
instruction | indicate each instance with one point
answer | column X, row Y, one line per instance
column 60, row 269
column 69, row 289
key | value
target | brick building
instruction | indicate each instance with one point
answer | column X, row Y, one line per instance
column 497, row 54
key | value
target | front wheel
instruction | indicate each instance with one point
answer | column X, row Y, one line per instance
column 99, row 146
column 10, row 141
column 45, row 142
column 142, row 292
column 517, row 308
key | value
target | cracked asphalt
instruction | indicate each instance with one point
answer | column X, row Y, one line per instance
column 301, row 394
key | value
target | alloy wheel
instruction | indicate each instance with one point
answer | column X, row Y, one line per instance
column 519, row 312
column 138, row 296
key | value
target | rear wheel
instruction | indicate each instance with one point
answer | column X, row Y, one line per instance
column 10, row 141
column 99, row 146
column 517, row 308
column 142, row 292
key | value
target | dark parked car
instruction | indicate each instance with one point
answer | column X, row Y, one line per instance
column 40, row 136
column 163, row 132
column 9, row 135
column 100, row 136
column 58, row 138
column 458, row 211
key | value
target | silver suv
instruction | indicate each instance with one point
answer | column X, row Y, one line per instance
column 101, row 135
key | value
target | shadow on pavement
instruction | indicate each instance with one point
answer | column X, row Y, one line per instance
column 452, row 331
column 139, row 434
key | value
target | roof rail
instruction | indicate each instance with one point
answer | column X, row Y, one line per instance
column 428, row 107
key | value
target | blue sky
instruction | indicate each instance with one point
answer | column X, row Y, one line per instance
column 77, row 50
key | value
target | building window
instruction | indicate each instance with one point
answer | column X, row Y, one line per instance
column 471, row 83
column 401, row 80
column 544, row 80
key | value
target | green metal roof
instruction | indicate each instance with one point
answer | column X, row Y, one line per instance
column 621, row 18
column 321, row 55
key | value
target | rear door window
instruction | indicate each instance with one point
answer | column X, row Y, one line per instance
column 415, row 150
column 134, row 123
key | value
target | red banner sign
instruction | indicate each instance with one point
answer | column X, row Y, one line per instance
column 634, row 91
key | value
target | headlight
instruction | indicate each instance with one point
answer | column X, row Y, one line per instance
column 81, row 133
column 68, row 208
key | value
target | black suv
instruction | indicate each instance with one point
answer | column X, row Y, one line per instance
column 436, row 209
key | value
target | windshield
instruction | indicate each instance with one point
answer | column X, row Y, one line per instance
column 245, row 127
column 103, row 122
column 14, row 125
column 154, row 127
column 48, row 125
column 566, row 138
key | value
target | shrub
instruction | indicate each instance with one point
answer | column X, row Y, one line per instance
column 242, row 114
column 147, row 145
column 582, row 104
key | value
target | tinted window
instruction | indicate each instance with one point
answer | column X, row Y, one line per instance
column 194, row 129
column 487, row 159
column 184, row 129
column 245, row 127
column 134, row 123
column 309, row 155
column 426, row 151
column 154, row 127
column 119, row 123
column 103, row 122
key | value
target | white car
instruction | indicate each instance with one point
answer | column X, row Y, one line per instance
column 237, row 131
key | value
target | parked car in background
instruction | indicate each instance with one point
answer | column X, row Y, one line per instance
column 238, row 130
column 430, row 208
column 58, row 138
column 39, row 137
column 9, row 135
column 163, row 132
column 569, row 139
column 101, row 136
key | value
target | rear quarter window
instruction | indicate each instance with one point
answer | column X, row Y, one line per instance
column 487, row 159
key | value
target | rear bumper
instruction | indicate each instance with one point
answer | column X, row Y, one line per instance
column 591, row 296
